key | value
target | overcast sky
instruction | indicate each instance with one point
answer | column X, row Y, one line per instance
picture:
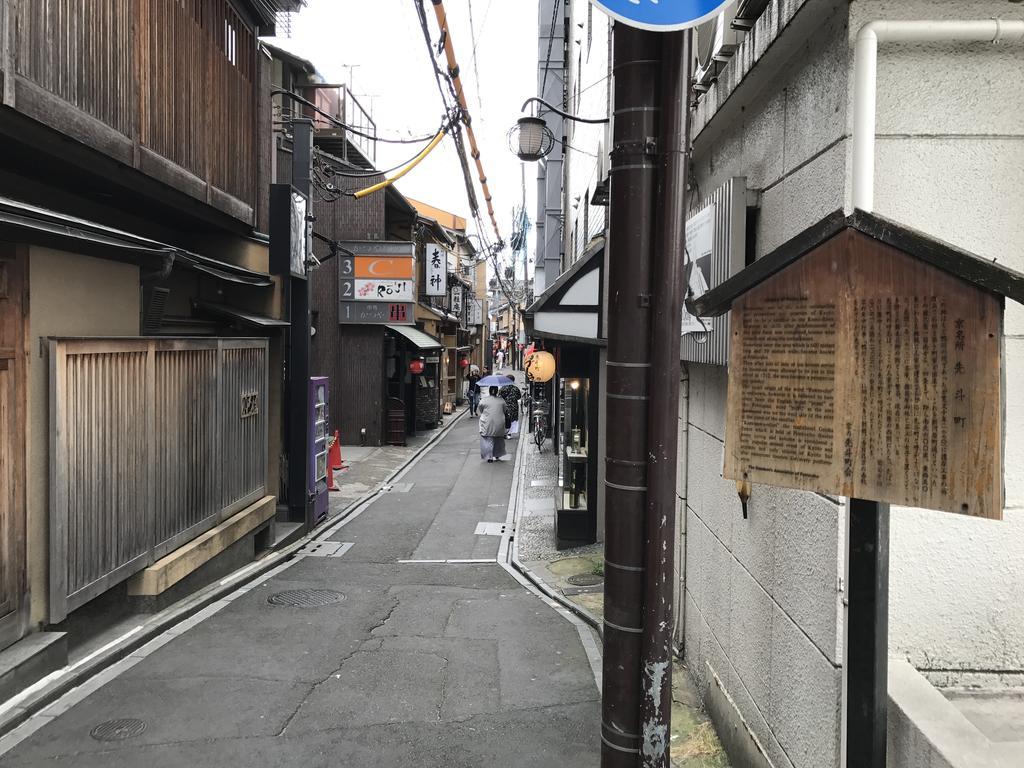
column 391, row 71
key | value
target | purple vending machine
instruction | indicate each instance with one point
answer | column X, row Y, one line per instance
column 318, row 421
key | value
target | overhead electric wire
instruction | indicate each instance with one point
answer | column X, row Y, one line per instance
column 476, row 70
column 416, row 161
column 453, row 73
column 335, row 121
column 441, row 79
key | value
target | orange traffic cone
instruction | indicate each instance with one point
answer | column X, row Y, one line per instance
column 330, row 479
column 334, row 460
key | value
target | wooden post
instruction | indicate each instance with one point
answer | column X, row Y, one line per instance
column 866, row 662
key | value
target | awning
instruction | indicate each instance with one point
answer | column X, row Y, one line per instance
column 62, row 230
column 416, row 337
column 570, row 309
column 240, row 315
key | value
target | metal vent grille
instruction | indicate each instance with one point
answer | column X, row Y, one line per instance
column 728, row 255
column 156, row 304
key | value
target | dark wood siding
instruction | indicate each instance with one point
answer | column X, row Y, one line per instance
column 351, row 355
column 171, row 85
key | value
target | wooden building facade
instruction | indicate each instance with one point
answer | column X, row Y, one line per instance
column 135, row 157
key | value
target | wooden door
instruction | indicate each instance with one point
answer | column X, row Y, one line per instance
column 12, row 446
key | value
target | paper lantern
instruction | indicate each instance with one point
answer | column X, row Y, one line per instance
column 540, row 367
column 464, row 362
column 416, row 367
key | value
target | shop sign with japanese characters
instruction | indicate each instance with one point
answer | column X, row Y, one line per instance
column 861, row 371
column 375, row 283
column 436, row 270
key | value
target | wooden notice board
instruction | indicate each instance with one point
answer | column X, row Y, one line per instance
column 861, row 371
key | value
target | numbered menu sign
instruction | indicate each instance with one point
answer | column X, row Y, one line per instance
column 376, row 283
column 866, row 363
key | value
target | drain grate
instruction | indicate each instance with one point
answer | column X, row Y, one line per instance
column 491, row 529
column 118, row 730
column 306, row 598
column 585, row 580
column 325, row 548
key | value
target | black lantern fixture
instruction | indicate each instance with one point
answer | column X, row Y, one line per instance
column 531, row 139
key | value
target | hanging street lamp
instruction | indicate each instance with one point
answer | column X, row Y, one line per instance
column 531, row 139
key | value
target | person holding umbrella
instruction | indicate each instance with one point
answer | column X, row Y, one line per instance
column 492, row 425
column 492, row 418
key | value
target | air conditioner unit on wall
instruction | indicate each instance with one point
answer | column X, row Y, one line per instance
column 716, row 42
column 747, row 12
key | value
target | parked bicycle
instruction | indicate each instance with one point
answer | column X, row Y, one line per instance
column 539, row 412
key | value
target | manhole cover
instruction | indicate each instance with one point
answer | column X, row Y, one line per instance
column 306, row 598
column 585, row 580
column 118, row 730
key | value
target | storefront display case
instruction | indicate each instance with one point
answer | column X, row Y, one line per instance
column 574, row 521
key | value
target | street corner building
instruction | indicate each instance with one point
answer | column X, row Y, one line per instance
column 778, row 148
column 141, row 333
column 819, row 124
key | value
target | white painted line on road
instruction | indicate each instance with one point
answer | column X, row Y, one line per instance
column 117, row 641
column 508, row 552
column 453, row 561
column 10, row 740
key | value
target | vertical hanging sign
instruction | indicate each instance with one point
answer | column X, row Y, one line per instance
column 457, row 300
column 436, row 270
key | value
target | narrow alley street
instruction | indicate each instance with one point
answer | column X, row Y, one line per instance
column 410, row 644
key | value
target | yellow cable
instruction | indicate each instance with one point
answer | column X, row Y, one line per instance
column 412, row 164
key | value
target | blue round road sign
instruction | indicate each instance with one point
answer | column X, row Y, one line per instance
column 662, row 15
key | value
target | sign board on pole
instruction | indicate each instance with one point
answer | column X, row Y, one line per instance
column 436, row 270
column 662, row 15
column 866, row 362
column 291, row 231
column 457, row 300
column 375, row 283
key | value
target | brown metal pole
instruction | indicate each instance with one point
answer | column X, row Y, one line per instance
column 662, row 423
column 637, row 70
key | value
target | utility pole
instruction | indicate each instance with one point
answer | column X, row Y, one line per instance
column 662, row 436
column 300, row 290
column 637, row 68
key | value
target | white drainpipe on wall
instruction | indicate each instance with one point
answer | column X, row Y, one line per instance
column 864, row 93
column 865, row 79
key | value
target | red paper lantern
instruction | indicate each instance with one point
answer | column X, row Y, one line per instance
column 416, row 367
column 464, row 362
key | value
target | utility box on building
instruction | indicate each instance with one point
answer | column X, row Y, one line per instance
column 866, row 361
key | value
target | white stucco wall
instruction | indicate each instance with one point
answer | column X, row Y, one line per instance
column 69, row 295
column 950, row 162
column 763, row 595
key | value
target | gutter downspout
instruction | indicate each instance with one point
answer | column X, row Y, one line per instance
column 682, row 481
column 872, row 34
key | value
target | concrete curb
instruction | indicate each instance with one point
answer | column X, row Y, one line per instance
column 49, row 689
column 513, row 554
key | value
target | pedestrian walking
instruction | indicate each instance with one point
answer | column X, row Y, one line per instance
column 473, row 391
column 500, row 357
column 511, row 395
column 492, row 426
